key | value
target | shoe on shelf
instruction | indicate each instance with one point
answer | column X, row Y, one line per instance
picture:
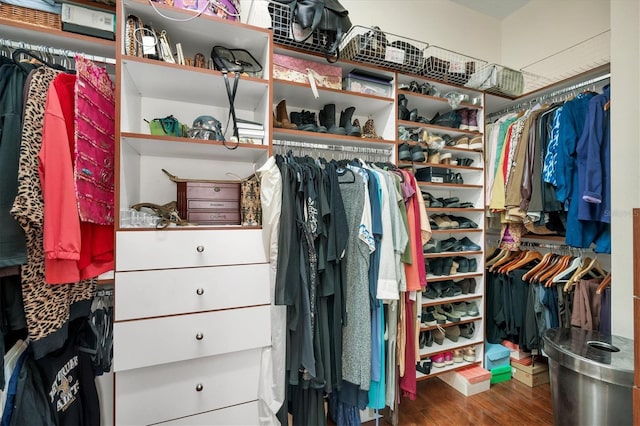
column 430, row 293
column 464, row 222
column 463, row 264
column 369, row 130
column 462, row 142
column 404, row 152
column 448, row 140
column 472, row 118
column 472, row 309
column 452, row 333
column 450, row 312
column 428, row 319
column 424, row 367
column 454, row 224
column 433, row 201
column 417, row 155
column 438, row 337
column 473, row 264
column 472, row 285
column 464, row 285
column 435, row 266
column 447, row 264
column 464, row 116
column 434, row 158
column 468, row 245
column 454, row 268
column 432, row 246
column 448, row 358
column 347, row 123
column 282, row 116
column 440, row 318
column 467, row 330
column 476, row 143
column 445, row 158
column 469, row 354
column 461, row 307
column 458, row 355
column 440, row 221
column 450, row 244
column 438, row 360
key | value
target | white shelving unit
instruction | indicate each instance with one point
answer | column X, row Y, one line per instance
column 183, row 347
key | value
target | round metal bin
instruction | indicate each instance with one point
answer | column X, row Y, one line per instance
column 591, row 377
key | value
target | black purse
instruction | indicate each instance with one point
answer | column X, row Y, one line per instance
column 326, row 20
column 236, row 61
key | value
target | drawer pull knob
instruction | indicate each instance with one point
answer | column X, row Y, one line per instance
column 200, row 291
column 200, row 249
column 199, row 336
column 199, row 387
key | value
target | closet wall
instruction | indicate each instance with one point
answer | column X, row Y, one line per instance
column 625, row 154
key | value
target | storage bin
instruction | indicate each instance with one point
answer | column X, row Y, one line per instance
column 209, row 203
column 495, row 356
column 531, row 375
column 364, row 84
column 436, row 175
column 295, row 69
column 458, row 381
column 31, row 16
column 500, row 374
column 497, row 79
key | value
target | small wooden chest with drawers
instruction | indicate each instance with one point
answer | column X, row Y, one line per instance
column 209, row 203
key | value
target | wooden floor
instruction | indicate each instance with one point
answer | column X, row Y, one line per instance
column 505, row 403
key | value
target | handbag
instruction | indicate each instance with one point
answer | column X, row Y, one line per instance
column 167, row 126
column 250, row 207
column 326, row 20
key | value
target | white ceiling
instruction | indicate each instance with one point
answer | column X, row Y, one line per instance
column 497, row 8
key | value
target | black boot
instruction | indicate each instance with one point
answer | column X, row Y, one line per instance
column 330, row 120
column 403, row 111
column 305, row 121
column 345, row 121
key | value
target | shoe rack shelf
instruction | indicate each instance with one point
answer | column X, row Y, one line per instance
column 466, row 320
column 472, row 190
column 445, row 300
column 439, row 370
column 438, row 129
column 299, row 96
column 449, row 345
column 451, row 254
column 418, row 165
column 435, row 278
column 455, row 231
column 453, row 210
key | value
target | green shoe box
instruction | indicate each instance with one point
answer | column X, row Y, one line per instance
column 500, row 374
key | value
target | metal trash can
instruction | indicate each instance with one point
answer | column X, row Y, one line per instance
column 591, row 377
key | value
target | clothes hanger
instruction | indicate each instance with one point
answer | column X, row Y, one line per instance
column 562, row 276
column 589, row 266
column 502, row 253
column 530, row 256
column 503, row 269
column 604, row 284
column 16, row 58
column 593, row 266
column 543, row 263
column 562, row 265
column 504, row 259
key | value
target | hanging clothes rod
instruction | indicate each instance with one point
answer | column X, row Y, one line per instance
column 341, row 148
column 533, row 244
column 12, row 44
column 551, row 95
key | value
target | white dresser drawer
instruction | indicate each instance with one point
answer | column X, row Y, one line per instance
column 143, row 343
column 143, row 294
column 238, row 415
column 170, row 391
column 142, row 250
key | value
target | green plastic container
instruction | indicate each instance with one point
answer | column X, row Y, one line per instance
column 501, row 374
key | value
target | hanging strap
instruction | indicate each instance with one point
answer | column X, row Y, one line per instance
column 231, row 94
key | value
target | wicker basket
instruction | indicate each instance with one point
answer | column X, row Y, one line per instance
column 30, row 16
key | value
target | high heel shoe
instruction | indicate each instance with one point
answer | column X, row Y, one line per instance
column 282, row 116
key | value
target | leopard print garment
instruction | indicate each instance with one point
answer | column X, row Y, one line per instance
column 46, row 306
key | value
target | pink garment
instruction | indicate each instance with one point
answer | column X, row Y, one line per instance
column 408, row 383
column 95, row 143
column 415, row 271
column 73, row 250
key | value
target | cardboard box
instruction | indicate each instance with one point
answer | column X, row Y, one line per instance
column 475, row 374
column 495, row 356
column 516, row 352
column 531, row 375
column 300, row 70
column 462, row 385
column 501, row 374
